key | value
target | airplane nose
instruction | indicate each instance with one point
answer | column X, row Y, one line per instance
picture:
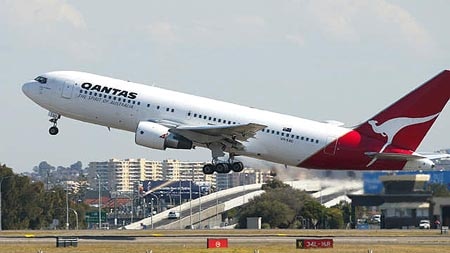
column 27, row 88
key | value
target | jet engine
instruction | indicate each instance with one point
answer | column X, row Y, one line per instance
column 156, row 136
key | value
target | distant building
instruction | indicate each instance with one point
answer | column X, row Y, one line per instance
column 246, row 177
column 124, row 175
column 186, row 171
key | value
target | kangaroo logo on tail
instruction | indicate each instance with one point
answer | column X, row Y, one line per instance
column 391, row 127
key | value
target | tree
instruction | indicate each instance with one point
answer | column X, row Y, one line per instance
column 334, row 218
column 281, row 206
column 26, row 204
column 439, row 190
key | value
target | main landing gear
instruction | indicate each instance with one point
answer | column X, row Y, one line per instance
column 54, row 129
column 222, row 167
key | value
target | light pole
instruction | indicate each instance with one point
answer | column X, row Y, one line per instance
column 157, row 200
column 67, row 205
column 179, row 218
column 151, row 213
column 99, row 203
column 76, row 215
column 199, row 207
column 1, row 181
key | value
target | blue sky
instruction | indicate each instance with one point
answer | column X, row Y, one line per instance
column 323, row 59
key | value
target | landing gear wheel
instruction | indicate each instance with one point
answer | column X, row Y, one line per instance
column 208, row 169
column 53, row 130
column 237, row 166
column 223, row 168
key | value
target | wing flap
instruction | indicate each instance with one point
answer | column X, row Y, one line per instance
column 215, row 133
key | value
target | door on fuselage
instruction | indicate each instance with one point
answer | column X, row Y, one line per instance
column 67, row 89
column 330, row 149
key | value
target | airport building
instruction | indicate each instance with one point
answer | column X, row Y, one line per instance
column 402, row 200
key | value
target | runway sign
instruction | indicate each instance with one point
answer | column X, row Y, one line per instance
column 314, row 243
column 217, row 243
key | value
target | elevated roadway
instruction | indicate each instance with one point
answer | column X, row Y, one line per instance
column 201, row 211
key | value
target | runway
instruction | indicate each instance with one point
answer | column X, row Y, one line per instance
column 199, row 238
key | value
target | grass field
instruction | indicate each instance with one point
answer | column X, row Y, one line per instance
column 176, row 248
column 434, row 241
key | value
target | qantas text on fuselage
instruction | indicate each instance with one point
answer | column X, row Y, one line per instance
column 163, row 119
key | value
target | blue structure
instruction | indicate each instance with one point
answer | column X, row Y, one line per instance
column 372, row 184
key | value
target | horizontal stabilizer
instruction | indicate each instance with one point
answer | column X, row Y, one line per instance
column 394, row 156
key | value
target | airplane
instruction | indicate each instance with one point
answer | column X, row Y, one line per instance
column 161, row 119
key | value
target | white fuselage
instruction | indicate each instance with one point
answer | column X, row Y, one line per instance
column 120, row 104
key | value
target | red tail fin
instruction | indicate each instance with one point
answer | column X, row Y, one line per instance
column 406, row 122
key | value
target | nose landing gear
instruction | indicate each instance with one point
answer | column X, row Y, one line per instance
column 54, row 129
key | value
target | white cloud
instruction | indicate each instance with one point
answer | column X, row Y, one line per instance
column 296, row 39
column 355, row 20
column 163, row 32
column 335, row 18
column 41, row 12
column 253, row 21
column 409, row 28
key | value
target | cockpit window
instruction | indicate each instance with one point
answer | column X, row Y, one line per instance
column 41, row 79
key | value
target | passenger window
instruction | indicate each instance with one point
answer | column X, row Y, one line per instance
column 167, row 109
column 214, row 119
column 195, row 115
column 209, row 118
column 114, row 98
column 302, row 138
column 282, row 134
column 172, row 110
column 134, row 102
column 273, row 131
column 157, row 108
column 219, row 120
column 317, row 141
column 307, row 139
column 204, row 117
column 139, row 103
column 296, row 137
column 148, row 105
column 278, row 132
column 189, row 113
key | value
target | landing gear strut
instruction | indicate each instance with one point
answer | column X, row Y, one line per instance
column 222, row 167
column 54, row 129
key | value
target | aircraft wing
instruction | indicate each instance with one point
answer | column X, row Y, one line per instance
column 234, row 134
